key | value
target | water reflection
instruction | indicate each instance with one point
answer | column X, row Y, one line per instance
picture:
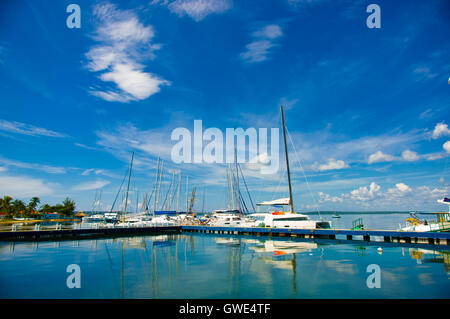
column 206, row 266
column 424, row 256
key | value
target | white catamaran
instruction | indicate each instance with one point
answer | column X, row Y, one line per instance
column 281, row 219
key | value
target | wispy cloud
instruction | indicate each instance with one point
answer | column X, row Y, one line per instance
column 123, row 44
column 264, row 40
column 23, row 186
column 196, row 9
column 27, row 129
column 91, row 185
column 41, row 167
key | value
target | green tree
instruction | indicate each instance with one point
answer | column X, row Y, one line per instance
column 68, row 207
column 5, row 205
column 34, row 202
column 18, row 206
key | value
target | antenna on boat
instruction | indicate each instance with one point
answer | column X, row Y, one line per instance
column 287, row 161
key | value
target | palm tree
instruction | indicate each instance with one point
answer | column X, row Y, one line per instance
column 5, row 205
column 33, row 204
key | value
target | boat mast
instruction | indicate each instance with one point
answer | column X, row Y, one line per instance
column 128, row 186
column 187, row 187
column 156, row 186
column 287, row 161
column 238, row 196
column 178, row 193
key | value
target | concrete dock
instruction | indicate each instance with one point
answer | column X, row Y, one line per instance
column 387, row 236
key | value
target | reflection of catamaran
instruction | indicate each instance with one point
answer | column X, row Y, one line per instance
column 441, row 224
column 431, row 256
column 283, row 219
column 284, row 247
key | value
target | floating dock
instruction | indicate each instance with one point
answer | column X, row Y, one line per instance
column 432, row 238
column 62, row 234
column 387, row 236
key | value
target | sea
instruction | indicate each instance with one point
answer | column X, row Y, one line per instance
column 213, row 266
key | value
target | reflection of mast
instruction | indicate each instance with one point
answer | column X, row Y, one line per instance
column 122, row 290
column 294, row 274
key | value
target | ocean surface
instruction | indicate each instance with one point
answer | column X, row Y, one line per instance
column 209, row 266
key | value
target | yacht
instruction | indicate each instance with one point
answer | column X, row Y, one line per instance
column 281, row 219
column 441, row 224
column 230, row 217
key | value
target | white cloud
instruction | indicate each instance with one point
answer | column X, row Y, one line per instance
column 364, row 194
column 198, row 9
column 124, row 42
column 403, row 187
column 3, row 169
column 27, row 129
column 258, row 50
column 410, row 156
column 380, row 157
column 91, row 185
column 446, row 146
column 332, row 164
column 22, row 186
column 327, row 198
column 440, row 129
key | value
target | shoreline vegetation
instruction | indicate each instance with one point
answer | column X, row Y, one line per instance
column 11, row 210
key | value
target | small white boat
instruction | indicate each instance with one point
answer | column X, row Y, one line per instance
column 94, row 218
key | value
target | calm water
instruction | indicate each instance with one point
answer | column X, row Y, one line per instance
column 222, row 266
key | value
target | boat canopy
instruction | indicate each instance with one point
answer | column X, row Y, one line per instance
column 276, row 202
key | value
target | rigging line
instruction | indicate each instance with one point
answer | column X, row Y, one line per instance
column 120, row 188
column 304, row 175
column 245, row 183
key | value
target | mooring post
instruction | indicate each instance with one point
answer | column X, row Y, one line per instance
column 366, row 238
column 349, row 237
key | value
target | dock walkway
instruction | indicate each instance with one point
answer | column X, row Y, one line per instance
column 430, row 238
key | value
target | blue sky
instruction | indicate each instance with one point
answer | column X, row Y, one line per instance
column 367, row 109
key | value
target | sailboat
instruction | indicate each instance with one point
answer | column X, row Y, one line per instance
column 233, row 215
column 278, row 218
